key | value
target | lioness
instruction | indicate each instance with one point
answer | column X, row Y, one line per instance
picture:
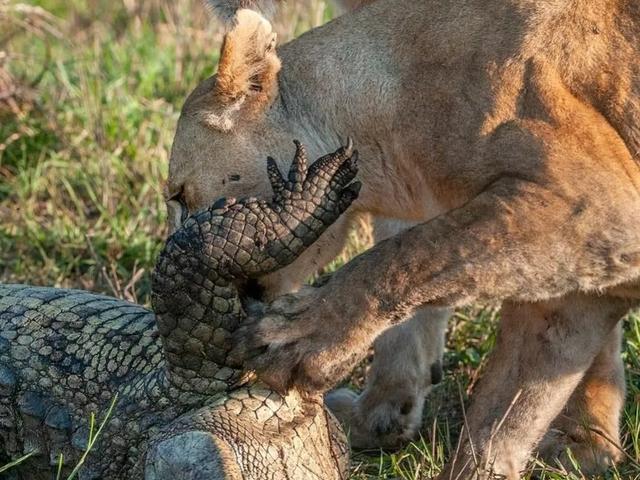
column 509, row 130
column 408, row 358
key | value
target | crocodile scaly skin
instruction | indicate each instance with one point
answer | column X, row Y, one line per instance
column 179, row 414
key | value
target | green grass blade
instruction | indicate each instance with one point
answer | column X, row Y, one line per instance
column 16, row 462
column 93, row 438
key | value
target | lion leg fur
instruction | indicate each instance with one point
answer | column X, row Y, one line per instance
column 503, row 409
column 407, row 361
column 225, row 10
column 589, row 425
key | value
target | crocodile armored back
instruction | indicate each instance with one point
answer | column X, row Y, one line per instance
column 171, row 377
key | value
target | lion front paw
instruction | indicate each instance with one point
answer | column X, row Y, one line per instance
column 378, row 419
column 297, row 344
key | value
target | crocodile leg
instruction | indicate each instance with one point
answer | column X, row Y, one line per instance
column 195, row 284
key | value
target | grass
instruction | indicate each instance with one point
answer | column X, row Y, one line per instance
column 471, row 337
column 92, row 92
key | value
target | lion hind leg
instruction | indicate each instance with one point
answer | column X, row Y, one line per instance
column 543, row 352
column 589, row 426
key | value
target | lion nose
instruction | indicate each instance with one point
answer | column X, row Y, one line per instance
column 177, row 211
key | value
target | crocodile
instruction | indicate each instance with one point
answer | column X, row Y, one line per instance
column 170, row 390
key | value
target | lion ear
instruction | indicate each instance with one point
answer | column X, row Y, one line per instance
column 247, row 79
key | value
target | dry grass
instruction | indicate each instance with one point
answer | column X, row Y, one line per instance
column 18, row 19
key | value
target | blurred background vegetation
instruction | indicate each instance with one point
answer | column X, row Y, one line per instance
column 89, row 96
column 90, row 92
